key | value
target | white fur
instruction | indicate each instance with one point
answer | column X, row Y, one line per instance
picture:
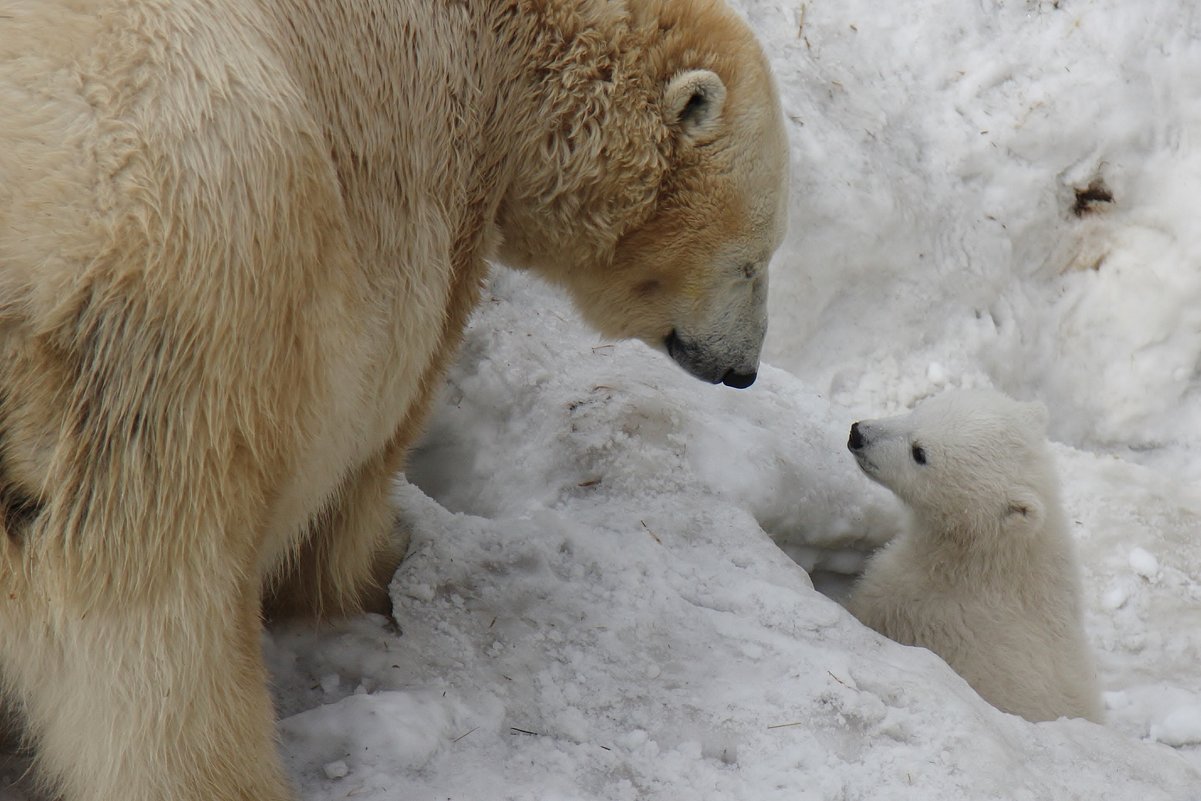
column 985, row 575
column 239, row 243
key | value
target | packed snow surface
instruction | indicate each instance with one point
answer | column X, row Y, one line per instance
column 606, row 596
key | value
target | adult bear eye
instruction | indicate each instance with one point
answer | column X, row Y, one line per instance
column 919, row 454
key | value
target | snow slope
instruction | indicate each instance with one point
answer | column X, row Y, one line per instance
column 594, row 609
column 599, row 602
column 938, row 150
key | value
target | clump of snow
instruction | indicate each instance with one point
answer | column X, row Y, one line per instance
column 371, row 735
column 331, row 683
column 1179, row 727
column 1144, row 563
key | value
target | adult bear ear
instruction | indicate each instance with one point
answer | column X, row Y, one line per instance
column 692, row 103
column 1023, row 513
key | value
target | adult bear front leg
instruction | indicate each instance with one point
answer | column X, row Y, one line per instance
column 353, row 546
column 131, row 624
column 347, row 558
column 149, row 700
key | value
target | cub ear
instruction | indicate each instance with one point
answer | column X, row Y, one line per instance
column 1036, row 416
column 692, row 102
column 1024, row 512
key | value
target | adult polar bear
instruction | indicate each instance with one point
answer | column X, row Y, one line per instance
column 239, row 240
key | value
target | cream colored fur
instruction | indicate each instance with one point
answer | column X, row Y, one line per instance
column 985, row 576
column 239, row 240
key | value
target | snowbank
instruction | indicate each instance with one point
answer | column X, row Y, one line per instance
column 592, row 608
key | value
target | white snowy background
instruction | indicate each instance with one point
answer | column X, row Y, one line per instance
column 601, row 601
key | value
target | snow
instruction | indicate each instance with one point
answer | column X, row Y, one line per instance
column 1180, row 727
column 610, row 591
column 938, row 150
column 597, row 605
column 1144, row 563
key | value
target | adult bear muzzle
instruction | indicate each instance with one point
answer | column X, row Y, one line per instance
column 710, row 364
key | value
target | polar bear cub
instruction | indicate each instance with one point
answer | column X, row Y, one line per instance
column 985, row 575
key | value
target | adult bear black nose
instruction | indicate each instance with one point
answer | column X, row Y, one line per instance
column 738, row 380
column 856, row 441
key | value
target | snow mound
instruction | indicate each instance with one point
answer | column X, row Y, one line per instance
column 592, row 608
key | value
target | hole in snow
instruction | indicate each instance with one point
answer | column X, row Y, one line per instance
column 1088, row 197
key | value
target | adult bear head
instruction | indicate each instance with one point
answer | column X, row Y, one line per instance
column 654, row 184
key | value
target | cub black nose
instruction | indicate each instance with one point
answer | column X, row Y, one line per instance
column 856, row 441
column 738, row 380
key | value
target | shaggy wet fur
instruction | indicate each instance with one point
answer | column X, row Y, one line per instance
column 239, row 241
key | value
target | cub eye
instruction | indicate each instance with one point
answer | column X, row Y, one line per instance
column 919, row 454
column 748, row 270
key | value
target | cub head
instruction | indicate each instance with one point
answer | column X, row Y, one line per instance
column 657, row 192
column 964, row 458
